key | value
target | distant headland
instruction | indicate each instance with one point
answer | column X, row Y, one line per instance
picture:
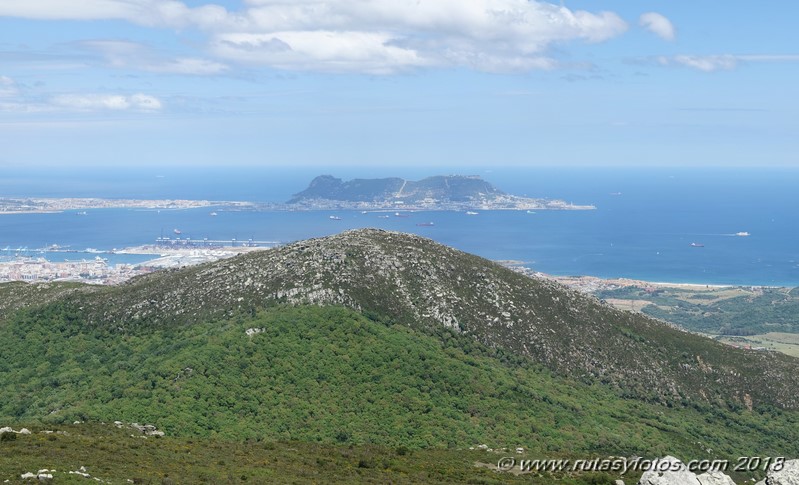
column 443, row 192
column 325, row 192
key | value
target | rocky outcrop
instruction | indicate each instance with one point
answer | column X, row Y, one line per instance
column 787, row 475
column 669, row 471
column 43, row 475
column 714, row 478
column 406, row 279
column 147, row 429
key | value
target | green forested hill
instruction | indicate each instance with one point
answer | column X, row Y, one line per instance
column 419, row 283
column 371, row 338
column 330, row 375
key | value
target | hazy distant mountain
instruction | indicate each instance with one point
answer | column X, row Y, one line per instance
column 445, row 192
column 442, row 188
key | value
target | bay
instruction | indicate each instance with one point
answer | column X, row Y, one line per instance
column 643, row 227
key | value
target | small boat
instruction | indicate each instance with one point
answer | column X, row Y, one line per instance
column 471, row 213
column 384, row 216
column 697, row 245
column 213, row 214
column 615, row 194
column 742, row 234
column 335, row 218
column 397, row 214
column 425, row 224
column 531, row 212
column 177, row 231
column 81, row 213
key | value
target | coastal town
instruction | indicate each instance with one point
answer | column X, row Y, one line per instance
column 52, row 205
column 96, row 269
column 500, row 202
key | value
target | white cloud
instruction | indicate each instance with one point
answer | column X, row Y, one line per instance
column 187, row 65
column 8, row 88
column 708, row 63
column 156, row 13
column 658, row 25
column 100, row 102
column 721, row 62
column 369, row 52
column 769, row 58
column 132, row 55
column 14, row 100
column 373, row 36
column 382, row 36
column 9, row 95
column 143, row 103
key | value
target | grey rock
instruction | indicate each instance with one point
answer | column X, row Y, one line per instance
column 788, row 475
column 714, row 478
column 674, row 472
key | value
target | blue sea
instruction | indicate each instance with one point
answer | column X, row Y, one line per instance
column 645, row 222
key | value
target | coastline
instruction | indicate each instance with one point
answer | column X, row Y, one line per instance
column 95, row 266
column 56, row 205
column 44, row 205
column 628, row 282
column 596, row 283
column 625, row 282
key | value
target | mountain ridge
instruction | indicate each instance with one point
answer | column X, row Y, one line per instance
column 442, row 187
column 445, row 192
column 417, row 282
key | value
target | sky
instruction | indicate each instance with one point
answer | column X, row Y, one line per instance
column 421, row 83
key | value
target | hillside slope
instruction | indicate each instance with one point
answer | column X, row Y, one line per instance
column 330, row 375
column 417, row 282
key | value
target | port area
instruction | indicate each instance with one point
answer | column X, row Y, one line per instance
column 179, row 255
column 95, row 266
